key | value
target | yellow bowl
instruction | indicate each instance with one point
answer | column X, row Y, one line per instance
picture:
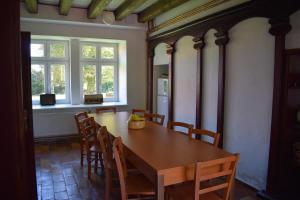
column 136, row 124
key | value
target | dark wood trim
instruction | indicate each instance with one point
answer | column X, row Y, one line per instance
column 28, row 158
column 150, row 79
column 279, row 28
column 57, row 139
column 199, row 45
column 171, row 54
column 13, row 139
column 226, row 19
column 221, row 41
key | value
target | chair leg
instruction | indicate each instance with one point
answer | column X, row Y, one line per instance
column 81, row 154
column 96, row 163
column 108, row 184
column 101, row 161
column 88, row 156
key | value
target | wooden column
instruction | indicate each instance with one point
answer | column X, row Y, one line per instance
column 150, row 80
column 199, row 44
column 279, row 28
column 221, row 41
column 171, row 53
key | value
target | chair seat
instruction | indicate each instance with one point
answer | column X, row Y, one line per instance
column 138, row 184
column 185, row 191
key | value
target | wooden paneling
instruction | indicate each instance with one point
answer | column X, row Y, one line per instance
column 96, row 8
column 171, row 54
column 64, row 6
column 221, row 41
column 158, row 8
column 199, row 45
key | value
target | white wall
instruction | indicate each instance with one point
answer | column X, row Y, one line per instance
column 185, row 81
column 248, row 98
column 44, row 123
column 160, row 55
column 210, row 82
column 293, row 37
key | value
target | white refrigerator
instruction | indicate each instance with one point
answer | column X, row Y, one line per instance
column 162, row 98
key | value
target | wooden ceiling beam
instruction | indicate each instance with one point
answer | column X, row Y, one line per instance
column 127, row 8
column 31, row 6
column 96, row 8
column 64, row 6
column 158, row 8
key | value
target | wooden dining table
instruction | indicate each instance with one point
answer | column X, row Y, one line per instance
column 164, row 156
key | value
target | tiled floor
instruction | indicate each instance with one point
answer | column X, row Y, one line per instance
column 59, row 176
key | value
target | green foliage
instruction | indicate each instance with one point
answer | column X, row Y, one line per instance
column 107, row 52
column 38, row 82
column 107, row 81
column 89, row 79
column 89, row 51
column 57, row 50
column 58, row 83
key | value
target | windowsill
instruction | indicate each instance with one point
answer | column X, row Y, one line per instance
column 66, row 106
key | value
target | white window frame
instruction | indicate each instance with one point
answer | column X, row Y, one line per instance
column 47, row 61
column 98, row 61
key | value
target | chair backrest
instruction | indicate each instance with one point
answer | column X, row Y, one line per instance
column 121, row 165
column 88, row 128
column 106, row 109
column 78, row 117
column 189, row 127
column 213, row 135
column 221, row 178
column 106, row 147
column 156, row 118
column 138, row 111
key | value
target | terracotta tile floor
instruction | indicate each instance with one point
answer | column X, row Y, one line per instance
column 59, row 176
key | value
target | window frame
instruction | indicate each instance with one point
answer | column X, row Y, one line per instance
column 99, row 62
column 47, row 61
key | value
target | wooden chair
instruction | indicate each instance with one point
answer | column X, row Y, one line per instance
column 215, row 136
column 106, row 148
column 156, row 118
column 88, row 129
column 106, row 109
column 108, row 160
column 189, row 127
column 138, row 111
column 78, row 117
column 130, row 184
column 207, row 184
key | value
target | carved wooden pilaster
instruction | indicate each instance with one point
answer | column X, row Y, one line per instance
column 171, row 55
column 279, row 28
column 221, row 41
column 150, row 80
column 199, row 45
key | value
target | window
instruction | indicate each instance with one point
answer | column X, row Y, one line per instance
column 50, row 69
column 99, row 69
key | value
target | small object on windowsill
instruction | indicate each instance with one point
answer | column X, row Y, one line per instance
column 136, row 122
column 47, row 99
column 93, row 99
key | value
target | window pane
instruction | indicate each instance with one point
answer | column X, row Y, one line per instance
column 58, row 80
column 57, row 50
column 89, row 79
column 88, row 51
column 107, row 81
column 37, row 80
column 37, row 50
column 107, row 53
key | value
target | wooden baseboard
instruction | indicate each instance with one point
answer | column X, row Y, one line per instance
column 56, row 139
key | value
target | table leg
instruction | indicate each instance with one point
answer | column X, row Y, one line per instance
column 160, row 189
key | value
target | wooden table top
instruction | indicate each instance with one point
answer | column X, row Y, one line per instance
column 158, row 146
